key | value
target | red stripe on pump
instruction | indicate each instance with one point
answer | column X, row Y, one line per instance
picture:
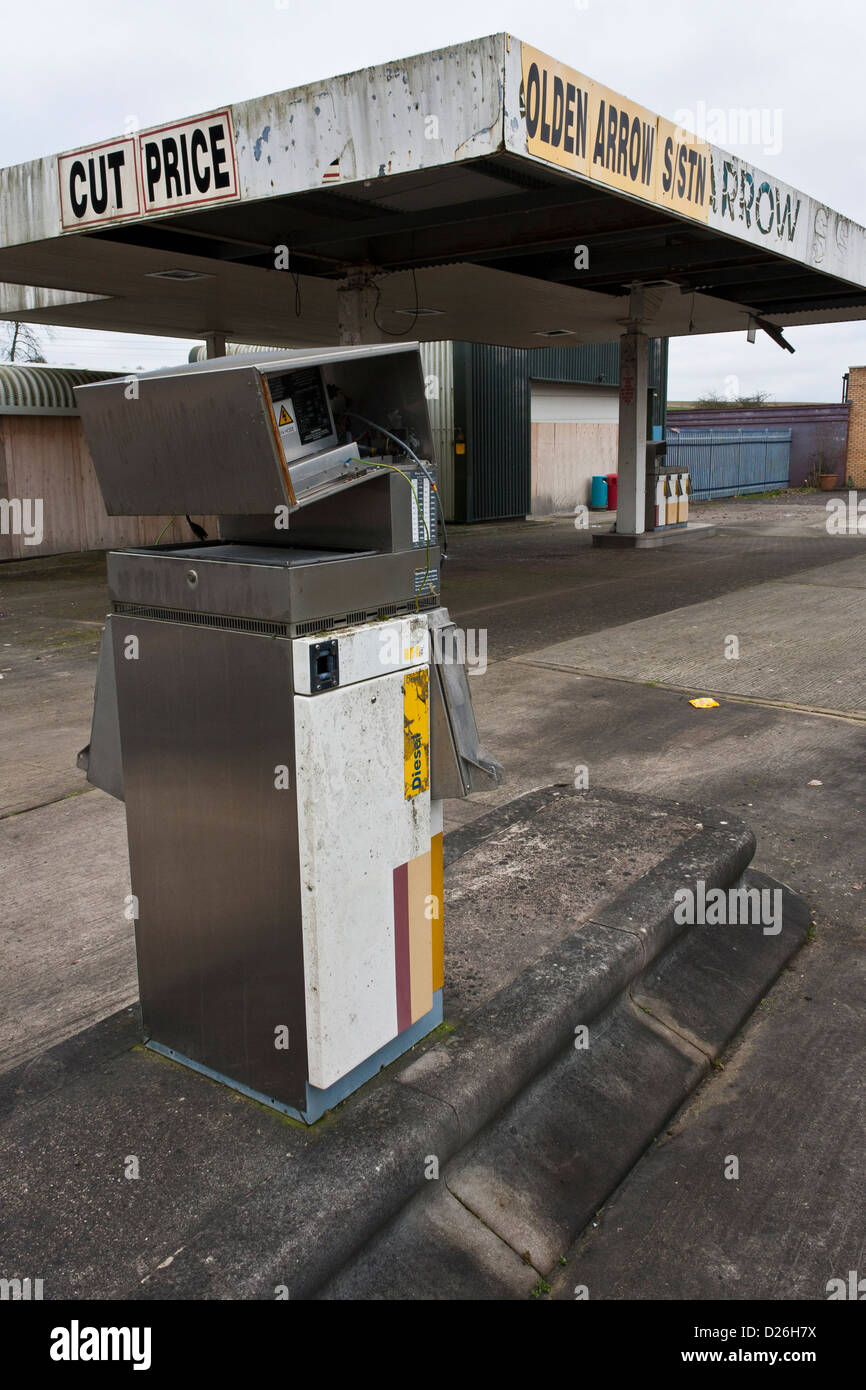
column 401, row 947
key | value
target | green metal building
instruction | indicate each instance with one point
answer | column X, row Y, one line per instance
column 520, row 431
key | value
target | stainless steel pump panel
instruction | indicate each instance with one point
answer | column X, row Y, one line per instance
column 270, row 708
column 245, row 435
column 301, row 589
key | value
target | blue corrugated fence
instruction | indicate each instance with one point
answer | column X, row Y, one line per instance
column 725, row 463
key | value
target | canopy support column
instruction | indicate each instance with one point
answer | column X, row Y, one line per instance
column 356, row 312
column 631, row 462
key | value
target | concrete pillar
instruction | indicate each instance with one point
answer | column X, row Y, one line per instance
column 633, row 362
column 215, row 344
column 356, row 313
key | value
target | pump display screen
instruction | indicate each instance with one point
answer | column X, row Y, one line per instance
column 301, row 406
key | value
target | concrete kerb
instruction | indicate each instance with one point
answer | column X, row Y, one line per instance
column 295, row 1235
column 367, row 1167
column 498, row 1050
column 712, row 977
column 537, row 1173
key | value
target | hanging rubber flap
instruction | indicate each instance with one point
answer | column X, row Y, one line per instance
column 458, row 763
column 101, row 759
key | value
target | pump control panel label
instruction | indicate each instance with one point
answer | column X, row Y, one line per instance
column 416, row 732
column 300, row 396
column 299, row 400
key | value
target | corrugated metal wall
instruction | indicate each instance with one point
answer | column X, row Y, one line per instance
column 728, row 463
column 438, row 361
column 491, row 415
column 31, row 388
column 492, row 407
column 816, row 429
column 657, row 376
column 589, row 364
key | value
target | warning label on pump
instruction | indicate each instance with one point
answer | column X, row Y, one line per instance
column 288, row 429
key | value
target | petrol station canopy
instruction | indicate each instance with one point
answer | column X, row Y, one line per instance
column 482, row 192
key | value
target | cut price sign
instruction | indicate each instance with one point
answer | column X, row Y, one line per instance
column 99, row 184
column 160, row 170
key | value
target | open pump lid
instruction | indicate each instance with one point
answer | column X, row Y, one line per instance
column 245, row 435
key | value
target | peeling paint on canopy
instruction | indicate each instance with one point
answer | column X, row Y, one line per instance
column 493, row 104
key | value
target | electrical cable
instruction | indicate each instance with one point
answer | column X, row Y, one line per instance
column 164, row 529
column 400, row 332
column 392, row 467
column 424, row 469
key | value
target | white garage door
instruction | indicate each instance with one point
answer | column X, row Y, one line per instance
column 555, row 403
column 574, row 435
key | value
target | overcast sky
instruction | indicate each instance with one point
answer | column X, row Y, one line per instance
column 75, row 72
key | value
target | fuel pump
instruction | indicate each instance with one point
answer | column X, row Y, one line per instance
column 282, row 712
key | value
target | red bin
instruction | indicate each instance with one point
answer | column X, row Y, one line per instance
column 611, row 491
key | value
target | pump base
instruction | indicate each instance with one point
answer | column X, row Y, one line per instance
column 691, row 531
column 318, row 1102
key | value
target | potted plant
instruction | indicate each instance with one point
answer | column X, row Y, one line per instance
column 824, row 478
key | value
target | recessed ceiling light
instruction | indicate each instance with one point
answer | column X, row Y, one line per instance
column 178, row 274
column 419, row 313
column 554, row 333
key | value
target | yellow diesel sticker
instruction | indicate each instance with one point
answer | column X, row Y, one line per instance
column 416, row 732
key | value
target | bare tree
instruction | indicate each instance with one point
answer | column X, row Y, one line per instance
column 19, row 342
column 713, row 401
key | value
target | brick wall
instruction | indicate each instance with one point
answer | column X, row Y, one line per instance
column 856, row 463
